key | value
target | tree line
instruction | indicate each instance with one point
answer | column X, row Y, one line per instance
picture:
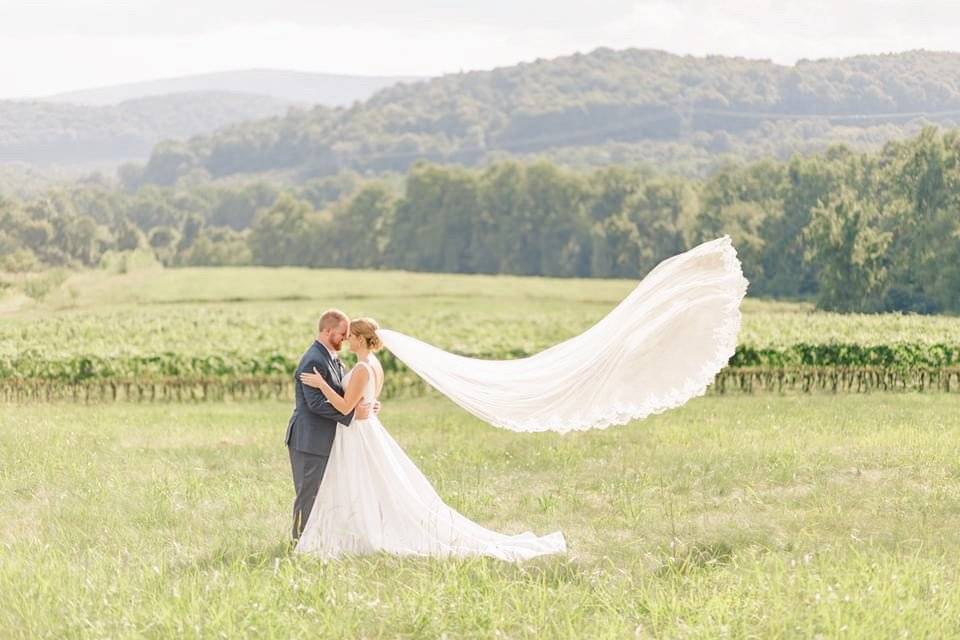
column 855, row 231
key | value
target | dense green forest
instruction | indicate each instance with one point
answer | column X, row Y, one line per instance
column 50, row 133
column 856, row 231
column 687, row 114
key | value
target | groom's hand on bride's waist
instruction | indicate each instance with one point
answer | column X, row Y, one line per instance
column 365, row 409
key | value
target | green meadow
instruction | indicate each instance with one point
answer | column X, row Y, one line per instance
column 737, row 516
column 772, row 515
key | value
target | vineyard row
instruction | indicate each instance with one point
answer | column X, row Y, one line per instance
column 730, row 380
column 28, row 365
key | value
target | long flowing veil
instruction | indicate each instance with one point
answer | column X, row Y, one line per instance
column 662, row 345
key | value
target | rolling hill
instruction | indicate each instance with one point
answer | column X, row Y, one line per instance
column 64, row 134
column 327, row 89
column 100, row 128
column 683, row 113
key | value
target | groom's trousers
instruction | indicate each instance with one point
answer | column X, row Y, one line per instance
column 308, row 471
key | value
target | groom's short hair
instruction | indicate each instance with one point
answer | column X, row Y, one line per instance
column 331, row 318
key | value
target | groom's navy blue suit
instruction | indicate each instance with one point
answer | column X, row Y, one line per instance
column 311, row 430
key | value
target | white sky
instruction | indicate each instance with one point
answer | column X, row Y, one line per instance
column 61, row 45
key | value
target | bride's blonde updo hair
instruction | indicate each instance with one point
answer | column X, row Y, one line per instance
column 366, row 328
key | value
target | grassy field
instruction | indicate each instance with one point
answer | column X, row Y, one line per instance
column 740, row 517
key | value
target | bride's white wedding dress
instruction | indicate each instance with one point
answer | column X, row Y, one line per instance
column 374, row 498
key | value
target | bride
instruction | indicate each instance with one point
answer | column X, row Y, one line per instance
column 374, row 498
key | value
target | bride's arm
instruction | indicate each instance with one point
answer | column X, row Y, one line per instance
column 351, row 395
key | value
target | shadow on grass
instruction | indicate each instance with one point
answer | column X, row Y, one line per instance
column 240, row 556
column 546, row 571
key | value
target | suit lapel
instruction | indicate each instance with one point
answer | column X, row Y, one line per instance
column 336, row 373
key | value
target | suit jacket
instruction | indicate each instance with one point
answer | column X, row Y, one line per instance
column 313, row 425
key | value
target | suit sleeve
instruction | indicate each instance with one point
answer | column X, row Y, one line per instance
column 317, row 402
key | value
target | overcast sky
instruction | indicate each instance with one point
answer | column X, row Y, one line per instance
column 60, row 45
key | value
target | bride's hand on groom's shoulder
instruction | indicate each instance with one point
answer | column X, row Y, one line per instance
column 314, row 379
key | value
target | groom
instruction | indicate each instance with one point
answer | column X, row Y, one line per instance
column 313, row 425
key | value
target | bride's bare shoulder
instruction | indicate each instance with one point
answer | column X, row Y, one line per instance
column 372, row 367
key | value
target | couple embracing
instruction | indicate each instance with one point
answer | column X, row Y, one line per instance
column 357, row 491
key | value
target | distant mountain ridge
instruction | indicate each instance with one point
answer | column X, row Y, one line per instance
column 682, row 113
column 64, row 134
column 107, row 126
column 291, row 86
